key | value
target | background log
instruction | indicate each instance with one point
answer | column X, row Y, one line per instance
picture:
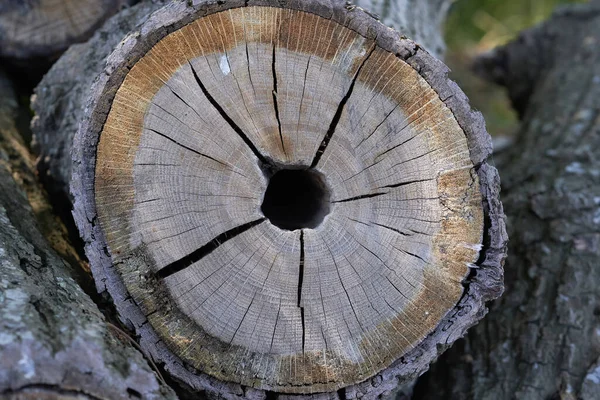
column 54, row 341
column 419, row 20
column 45, row 28
column 542, row 339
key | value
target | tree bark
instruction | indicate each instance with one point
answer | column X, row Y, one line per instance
column 54, row 342
column 541, row 340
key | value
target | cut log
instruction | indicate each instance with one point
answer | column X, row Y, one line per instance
column 45, row 28
column 288, row 200
column 542, row 339
column 54, row 342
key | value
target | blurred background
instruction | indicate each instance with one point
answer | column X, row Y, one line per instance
column 476, row 26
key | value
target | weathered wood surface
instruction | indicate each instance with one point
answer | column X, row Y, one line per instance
column 54, row 342
column 185, row 128
column 45, row 28
column 542, row 339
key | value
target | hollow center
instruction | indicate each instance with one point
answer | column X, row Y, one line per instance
column 296, row 199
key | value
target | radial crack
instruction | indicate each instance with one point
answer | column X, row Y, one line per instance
column 364, row 196
column 392, row 229
column 396, row 185
column 338, row 113
column 228, row 119
column 301, row 269
column 205, row 250
column 300, row 282
column 275, row 104
column 184, row 146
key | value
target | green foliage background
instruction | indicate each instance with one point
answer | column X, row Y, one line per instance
column 476, row 26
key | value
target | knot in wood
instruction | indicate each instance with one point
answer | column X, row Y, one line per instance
column 290, row 204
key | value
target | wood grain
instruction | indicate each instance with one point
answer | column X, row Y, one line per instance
column 192, row 115
column 179, row 163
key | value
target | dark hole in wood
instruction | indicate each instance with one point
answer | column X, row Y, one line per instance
column 296, row 199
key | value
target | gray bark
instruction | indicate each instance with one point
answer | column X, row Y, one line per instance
column 542, row 339
column 54, row 341
column 33, row 32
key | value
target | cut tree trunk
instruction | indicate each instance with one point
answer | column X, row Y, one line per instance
column 45, row 28
column 286, row 199
column 54, row 342
column 542, row 339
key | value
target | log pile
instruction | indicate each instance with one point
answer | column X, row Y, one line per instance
column 205, row 125
column 54, row 341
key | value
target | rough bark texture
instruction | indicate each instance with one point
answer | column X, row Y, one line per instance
column 60, row 96
column 483, row 284
column 54, row 341
column 542, row 339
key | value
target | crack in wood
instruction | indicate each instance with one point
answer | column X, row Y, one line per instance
column 393, row 166
column 364, row 196
column 390, row 228
column 302, row 96
column 275, row 104
column 338, row 113
column 248, row 59
column 184, row 146
column 228, row 119
column 300, row 282
column 275, row 326
column 337, row 268
column 205, row 250
column 397, row 185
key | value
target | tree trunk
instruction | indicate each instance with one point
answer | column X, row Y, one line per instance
column 54, row 342
column 541, row 340
column 179, row 179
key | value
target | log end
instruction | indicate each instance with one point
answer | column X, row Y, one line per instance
column 292, row 200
